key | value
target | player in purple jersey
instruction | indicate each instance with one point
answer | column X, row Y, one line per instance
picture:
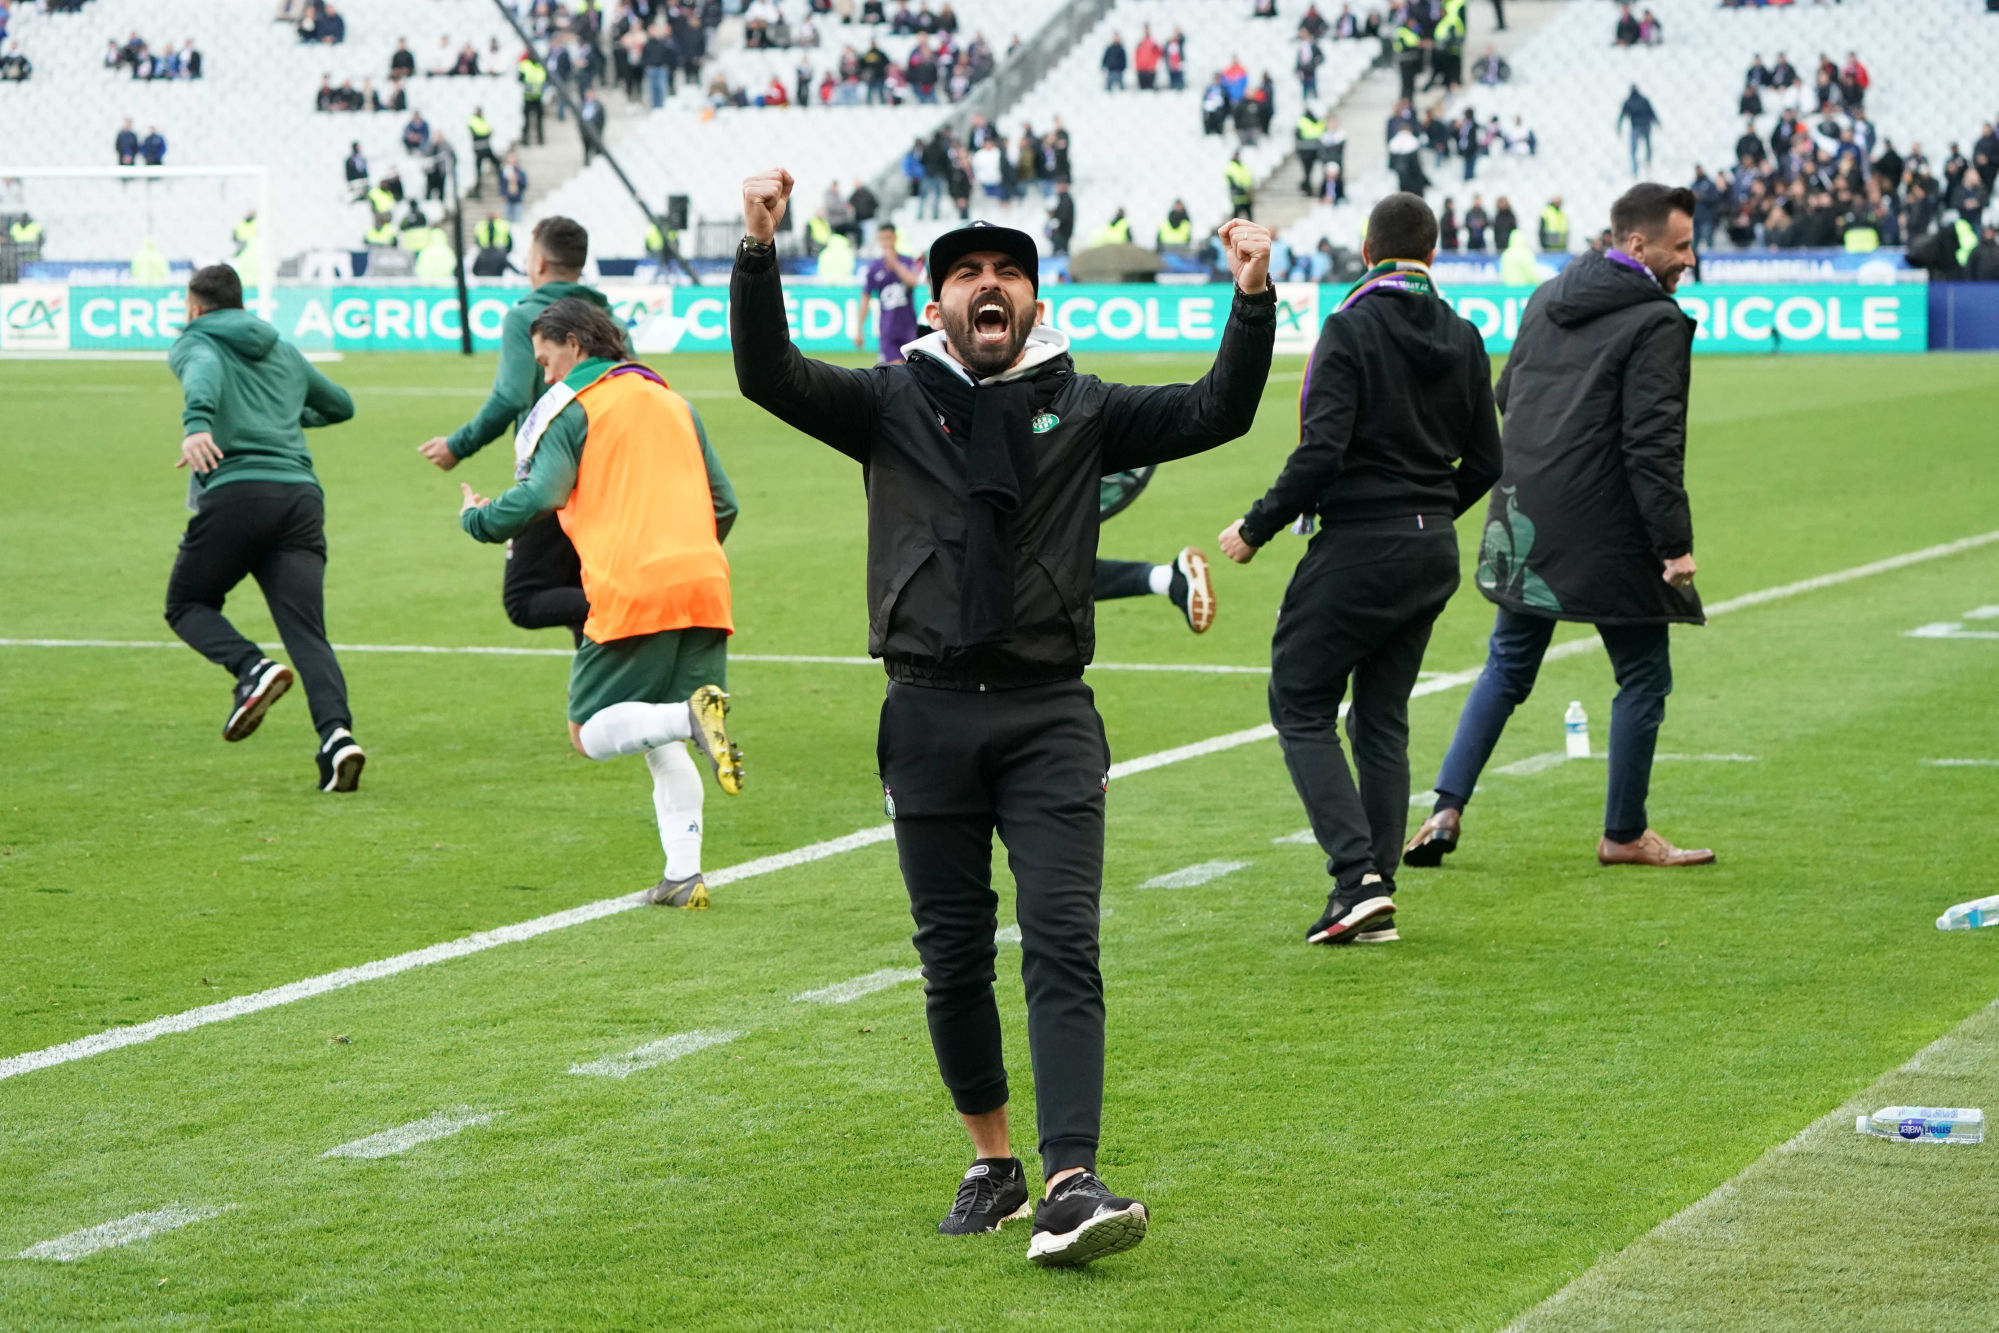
column 890, row 280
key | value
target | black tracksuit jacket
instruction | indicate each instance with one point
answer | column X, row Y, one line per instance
column 915, row 476
column 1396, row 419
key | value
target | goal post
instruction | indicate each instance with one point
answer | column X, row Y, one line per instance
column 144, row 227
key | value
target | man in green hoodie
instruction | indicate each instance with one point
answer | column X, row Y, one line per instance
column 258, row 512
column 544, row 580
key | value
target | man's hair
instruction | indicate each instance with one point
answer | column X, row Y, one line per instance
column 564, row 242
column 585, row 321
column 1401, row 227
column 217, row 287
column 1647, row 206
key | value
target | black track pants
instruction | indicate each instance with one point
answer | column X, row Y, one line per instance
column 543, row 586
column 1122, row 578
column 1360, row 607
column 1030, row 764
column 275, row 533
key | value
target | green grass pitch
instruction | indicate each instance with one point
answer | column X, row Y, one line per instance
column 1439, row 1134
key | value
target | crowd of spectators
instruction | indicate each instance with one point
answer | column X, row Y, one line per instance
column 943, row 67
column 994, row 170
column 1637, row 29
column 136, row 57
column 1822, row 175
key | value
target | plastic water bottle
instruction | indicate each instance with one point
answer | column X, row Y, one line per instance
column 1575, row 730
column 1933, row 1124
column 1970, row 916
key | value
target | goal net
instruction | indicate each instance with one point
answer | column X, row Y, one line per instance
column 96, row 258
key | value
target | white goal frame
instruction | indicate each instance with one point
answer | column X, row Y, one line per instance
column 267, row 268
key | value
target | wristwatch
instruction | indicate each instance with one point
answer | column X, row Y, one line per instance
column 751, row 245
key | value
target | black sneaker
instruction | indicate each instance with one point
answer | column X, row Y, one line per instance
column 1191, row 589
column 340, row 761
column 993, row 1193
column 256, row 690
column 1347, row 920
column 1081, row 1220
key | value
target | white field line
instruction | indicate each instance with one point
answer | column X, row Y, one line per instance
column 1982, row 613
column 1188, row 877
column 1532, row 764
column 1948, row 629
column 1302, row 838
column 122, row 1231
column 848, row 991
column 1838, row 1121
column 401, row 1138
column 653, row 1054
column 805, row 659
column 116, row 1038
column 1962, row 763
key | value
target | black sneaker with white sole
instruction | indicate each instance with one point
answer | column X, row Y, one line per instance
column 1081, row 1220
column 1192, row 590
column 1348, row 920
column 256, row 690
column 340, row 760
column 993, row 1193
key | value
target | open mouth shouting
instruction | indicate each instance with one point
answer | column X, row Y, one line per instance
column 992, row 320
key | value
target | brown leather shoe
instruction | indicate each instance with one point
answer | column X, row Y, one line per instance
column 1650, row 850
column 1437, row 839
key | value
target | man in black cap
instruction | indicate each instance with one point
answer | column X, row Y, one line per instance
column 981, row 457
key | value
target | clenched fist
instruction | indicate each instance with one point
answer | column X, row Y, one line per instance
column 1248, row 246
column 764, row 197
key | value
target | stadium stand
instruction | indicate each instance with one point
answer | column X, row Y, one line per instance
column 1139, row 151
column 700, row 144
column 1569, row 82
column 253, row 105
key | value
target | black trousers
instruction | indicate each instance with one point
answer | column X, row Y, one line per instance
column 1122, row 578
column 1360, row 607
column 543, row 585
column 275, row 533
column 1031, row 764
column 532, row 129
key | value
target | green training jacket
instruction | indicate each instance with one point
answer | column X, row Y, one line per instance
column 517, row 383
column 255, row 394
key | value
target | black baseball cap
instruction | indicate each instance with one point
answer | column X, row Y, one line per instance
column 955, row 244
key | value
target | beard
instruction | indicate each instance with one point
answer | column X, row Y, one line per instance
column 988, row 341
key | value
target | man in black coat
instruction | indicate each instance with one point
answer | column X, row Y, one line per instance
column 981, row 457
column 1398, row 438
column 1591, row 522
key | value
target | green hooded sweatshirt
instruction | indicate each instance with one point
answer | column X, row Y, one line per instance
column 254, row 393
column 517, row 384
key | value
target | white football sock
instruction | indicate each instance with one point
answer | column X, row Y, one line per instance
column 676, row 799
column 1162, row 579
column 633, row 728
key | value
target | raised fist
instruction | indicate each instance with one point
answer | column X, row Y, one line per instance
column 1248, row 247
column 765, row 195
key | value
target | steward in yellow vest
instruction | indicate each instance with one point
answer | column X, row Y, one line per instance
column 245, row 233
column 1554, row 227
column 493, row 234
column 1173, row 236
column 381, row 236
column 624, row 463
column 27, row 232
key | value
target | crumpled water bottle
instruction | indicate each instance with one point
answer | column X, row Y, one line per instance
column 1930, row 1124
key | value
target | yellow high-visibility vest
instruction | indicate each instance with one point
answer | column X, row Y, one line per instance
column 1310, row 129
column 493, row 234
column 1967, row 241
column 1180, row 235
column 481, row 128
column 1240, row 184
column 1407, row 39
column 382, row 237
column 533, row 76
column 1861, row 240
column 1556, row 224
column 821, row 230
column 25, row 233
column 381, row 200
